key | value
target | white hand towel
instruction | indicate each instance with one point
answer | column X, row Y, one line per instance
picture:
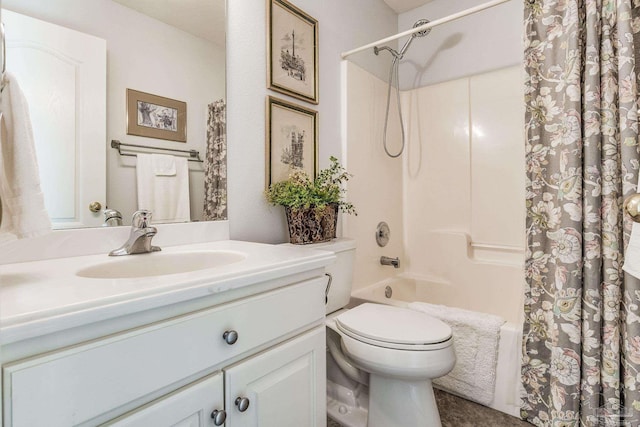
column 167, row 197
column 163, row 165
column 475, row 342
column 632, row 255
column 23, row 211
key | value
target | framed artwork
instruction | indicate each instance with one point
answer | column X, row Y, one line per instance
column 292, row 140
column 155, row 116
column 292, row 51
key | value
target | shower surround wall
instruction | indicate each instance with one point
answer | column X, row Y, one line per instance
column 460, row 210
column 376, row 187
column 464, row 189
column 462, row 175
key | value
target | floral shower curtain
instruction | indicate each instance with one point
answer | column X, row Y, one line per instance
column 581, row 346
column 215, row 164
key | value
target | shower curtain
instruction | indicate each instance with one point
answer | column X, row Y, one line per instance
column 581, row 346
column 215, row 164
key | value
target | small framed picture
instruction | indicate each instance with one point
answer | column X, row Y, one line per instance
column 292, row 51
column 292, row 140
column 155, row 116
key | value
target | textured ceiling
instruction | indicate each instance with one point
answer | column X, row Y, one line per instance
column 202, row 18
column 401, row 6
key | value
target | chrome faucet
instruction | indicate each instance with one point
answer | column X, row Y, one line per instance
column 112, row 218
column 385, row 260
column 140, row 237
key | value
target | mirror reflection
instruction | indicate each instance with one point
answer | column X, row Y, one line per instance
column 134, row 71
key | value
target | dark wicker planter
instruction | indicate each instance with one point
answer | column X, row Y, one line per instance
column 312, row 225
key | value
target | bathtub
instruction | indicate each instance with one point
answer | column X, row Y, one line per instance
column 401, row 291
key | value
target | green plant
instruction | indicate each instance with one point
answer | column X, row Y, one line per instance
column 299, row 191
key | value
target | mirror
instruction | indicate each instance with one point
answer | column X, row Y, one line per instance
column 166, row 49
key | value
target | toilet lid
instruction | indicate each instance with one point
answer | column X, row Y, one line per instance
column 393, row 325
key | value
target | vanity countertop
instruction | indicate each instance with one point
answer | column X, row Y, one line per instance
column 48, row 295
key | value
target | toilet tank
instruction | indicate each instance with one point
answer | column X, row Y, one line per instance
column 341, row 271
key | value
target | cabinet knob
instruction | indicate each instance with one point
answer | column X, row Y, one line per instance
column 242, row 403
column 219, row 417
column 230, row 337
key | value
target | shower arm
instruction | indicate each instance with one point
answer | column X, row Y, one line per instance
column 377, row 50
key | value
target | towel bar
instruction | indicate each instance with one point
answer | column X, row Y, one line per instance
column 194, row 155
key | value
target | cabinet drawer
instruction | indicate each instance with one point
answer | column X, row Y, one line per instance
column 75, row 385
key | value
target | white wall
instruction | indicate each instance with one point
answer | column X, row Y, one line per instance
column 485, row 41
column 343, row 25
column 149, row 56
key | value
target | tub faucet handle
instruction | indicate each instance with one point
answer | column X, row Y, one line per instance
column 395, row 262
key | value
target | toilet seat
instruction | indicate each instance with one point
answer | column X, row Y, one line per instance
column 394, row 328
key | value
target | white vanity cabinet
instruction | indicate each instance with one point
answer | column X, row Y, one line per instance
column 190, row 406
column 282, row 387
column 268, row 348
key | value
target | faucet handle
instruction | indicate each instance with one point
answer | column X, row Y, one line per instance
column 141, row 218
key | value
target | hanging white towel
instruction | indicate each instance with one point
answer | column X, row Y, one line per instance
column 166, row 196
column 632, row 255
column 475, row 342
column 163, row 165
column 23, row 211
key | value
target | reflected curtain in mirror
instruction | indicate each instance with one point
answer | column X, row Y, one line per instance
column 215, row 164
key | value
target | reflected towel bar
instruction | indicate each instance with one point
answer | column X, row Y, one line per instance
column 194, row 155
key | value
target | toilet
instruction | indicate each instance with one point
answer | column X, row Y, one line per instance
column 381, row 358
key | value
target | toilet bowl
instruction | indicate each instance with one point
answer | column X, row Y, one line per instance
column 402, row 350
column 390, row 353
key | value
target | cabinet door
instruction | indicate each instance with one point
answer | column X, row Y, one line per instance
column 285, row 386
column 190, row 406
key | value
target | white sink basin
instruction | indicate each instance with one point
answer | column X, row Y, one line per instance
column 159, row 264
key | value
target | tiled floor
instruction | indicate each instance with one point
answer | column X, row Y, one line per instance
column 458, row 412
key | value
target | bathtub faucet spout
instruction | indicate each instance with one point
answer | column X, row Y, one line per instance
column 385, row 260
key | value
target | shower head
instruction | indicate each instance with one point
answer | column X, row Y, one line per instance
column 399, row 55
column 414, row 35
column 420, row 23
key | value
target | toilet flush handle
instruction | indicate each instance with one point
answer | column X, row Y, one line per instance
column 326, row 292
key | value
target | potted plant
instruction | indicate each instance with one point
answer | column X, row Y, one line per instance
column 311, row 206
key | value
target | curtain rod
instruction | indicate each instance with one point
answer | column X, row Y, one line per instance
column 424, row 27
